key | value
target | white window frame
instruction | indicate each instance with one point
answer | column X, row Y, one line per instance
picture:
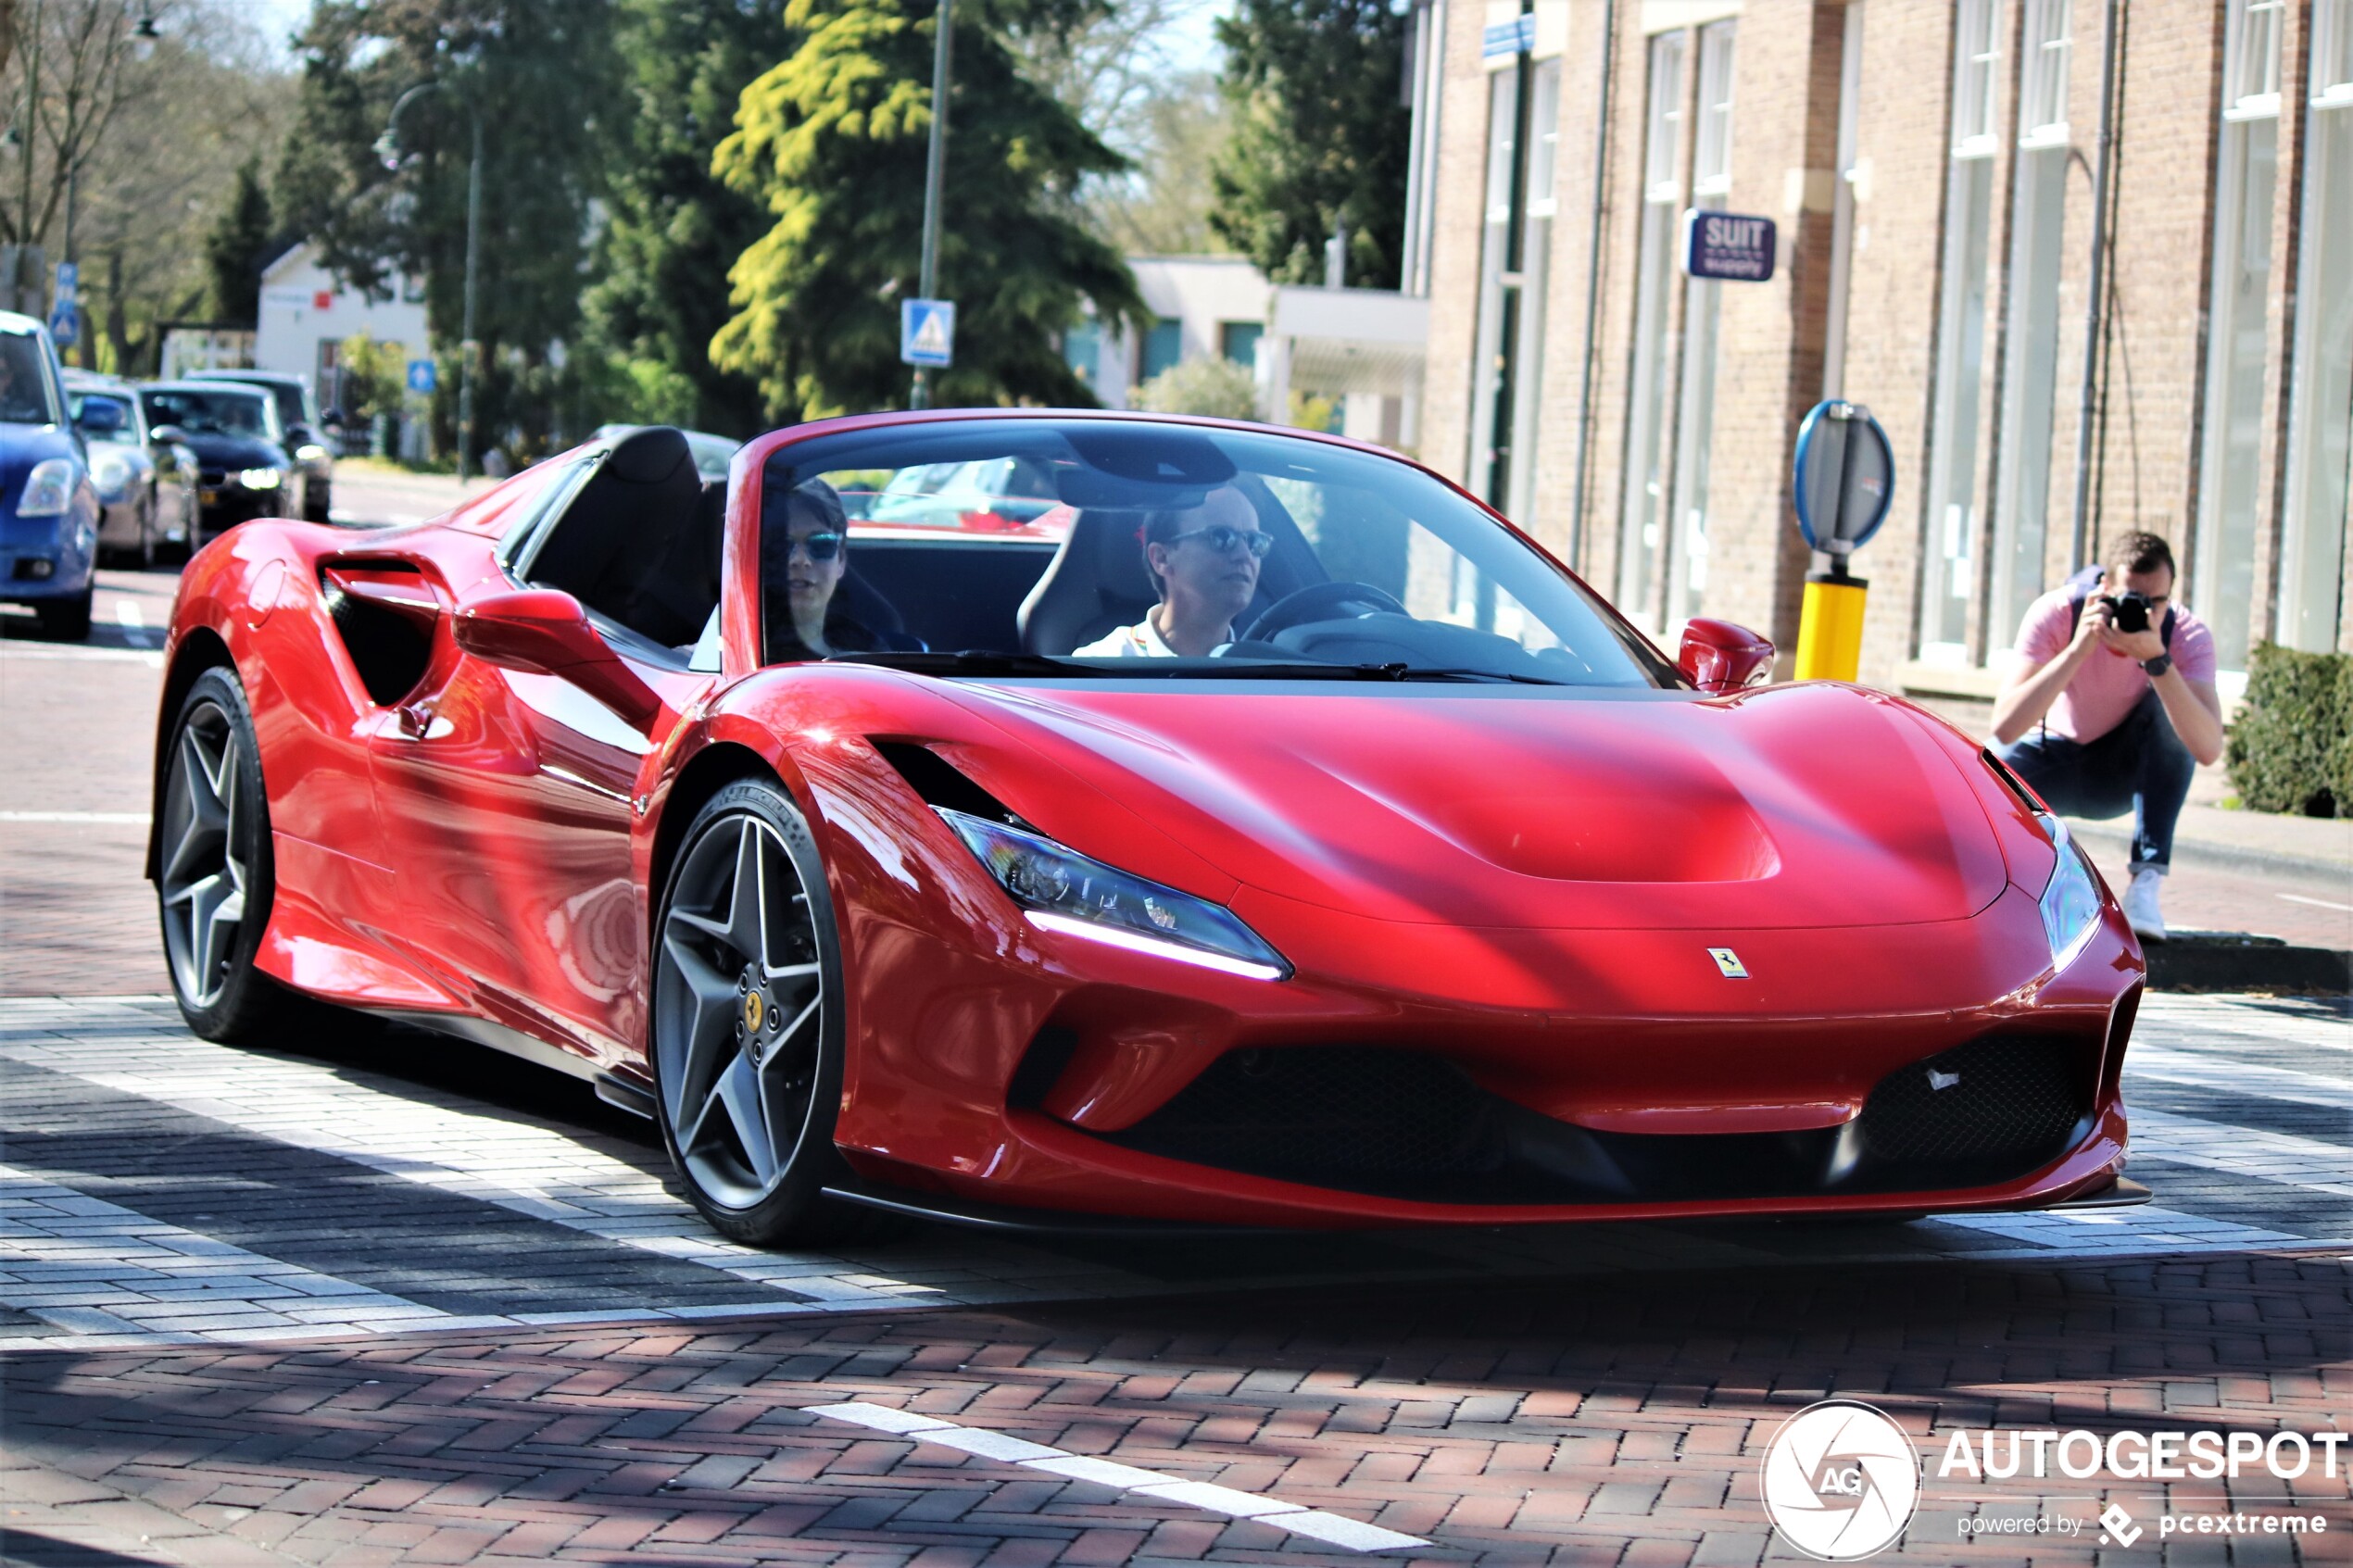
column 1703, row 303
column 2320, row 471
column 1643, row 517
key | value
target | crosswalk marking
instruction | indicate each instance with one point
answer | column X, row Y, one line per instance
column 611, row 1187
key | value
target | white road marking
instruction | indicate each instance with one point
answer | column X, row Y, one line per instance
column 139, row 819
column 2099, row 1232
column 133, row 624
column 2318, row 903
column 108, row 1275
column 2168, row 1065
column 2245, row 1151
column 1335, row 1529
column 10, row 649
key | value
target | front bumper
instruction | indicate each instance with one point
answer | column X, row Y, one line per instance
column 1432, row 1075
column 43, row 559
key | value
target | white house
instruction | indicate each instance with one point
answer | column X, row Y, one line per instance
column 306, row 315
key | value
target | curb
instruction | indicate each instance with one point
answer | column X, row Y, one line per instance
column 2248, row 963
column 2209, row 856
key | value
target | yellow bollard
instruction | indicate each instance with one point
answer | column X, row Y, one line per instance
column 1830, row 627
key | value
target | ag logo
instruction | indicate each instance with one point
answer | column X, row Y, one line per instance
column 1841, row 1480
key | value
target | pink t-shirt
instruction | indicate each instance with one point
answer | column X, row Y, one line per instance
column 2108, row 686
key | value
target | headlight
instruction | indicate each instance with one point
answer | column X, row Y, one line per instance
column 310, row 452
column 1062, row 890
column 2072, row 903
column 47, row 489
column 111, row 473
column 261, row 479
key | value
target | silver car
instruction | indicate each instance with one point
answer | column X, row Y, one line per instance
column 146, row 489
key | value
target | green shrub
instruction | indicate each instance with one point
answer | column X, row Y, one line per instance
column 2292, row 747
column 1217, row 388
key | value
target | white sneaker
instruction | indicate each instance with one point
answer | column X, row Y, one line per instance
column 2140, row 904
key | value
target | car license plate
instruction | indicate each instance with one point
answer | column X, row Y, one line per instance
column 207, row 497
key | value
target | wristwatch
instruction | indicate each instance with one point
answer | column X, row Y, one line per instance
column 2158, row 665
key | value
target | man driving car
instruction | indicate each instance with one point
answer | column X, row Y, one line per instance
column 1205, row 563
column 801, row 565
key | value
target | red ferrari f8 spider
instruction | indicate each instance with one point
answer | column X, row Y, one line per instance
column 1081, row 819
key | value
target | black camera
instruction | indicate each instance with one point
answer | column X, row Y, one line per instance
column 2127, row 613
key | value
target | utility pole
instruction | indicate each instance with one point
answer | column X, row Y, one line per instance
column 24, row 155
column 935, row 176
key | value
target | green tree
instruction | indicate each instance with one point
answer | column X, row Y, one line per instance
column 674, row 227
column 1215, row 387
column 832, row 143
column 1319, row 138
column 237, row 246
column 542, row 76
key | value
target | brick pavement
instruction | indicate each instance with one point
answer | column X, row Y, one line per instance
column 1616, row 1421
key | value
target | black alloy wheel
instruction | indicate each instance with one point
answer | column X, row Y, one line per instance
column 214, row 876
column 746, row 1027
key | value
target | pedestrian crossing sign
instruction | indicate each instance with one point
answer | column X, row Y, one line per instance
column 927, row 331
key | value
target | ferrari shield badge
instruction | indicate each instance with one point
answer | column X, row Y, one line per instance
column 1729, row 963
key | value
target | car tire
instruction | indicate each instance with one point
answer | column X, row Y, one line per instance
column 66, row 620
column 317, row 507
column 147, row 558
column 747, row 1090
column 215, row 877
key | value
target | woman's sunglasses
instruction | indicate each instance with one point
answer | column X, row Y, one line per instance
column 1223, row 539
column 816, row 546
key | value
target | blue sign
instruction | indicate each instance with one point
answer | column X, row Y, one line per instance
column 65, row 324
column 69, row 282
column 927, row 331
column 1846, row 476
column 1515, row 37
column 1731, row 247
column 423, row 375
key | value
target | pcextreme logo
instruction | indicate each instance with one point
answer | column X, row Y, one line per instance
column 1841, row 1480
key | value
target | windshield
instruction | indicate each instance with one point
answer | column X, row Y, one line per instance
column 1087, row 548
column 126, row 430
column 212, row 412
column 24, row 391
column 291, row 398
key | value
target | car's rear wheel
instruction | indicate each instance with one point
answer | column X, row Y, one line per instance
column 746, row 1026
column 215, row 877
column 67, row 620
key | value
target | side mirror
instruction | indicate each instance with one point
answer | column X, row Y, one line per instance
column 100, row 415
column 545, row 631
column 1718, row 655
column 166, row 435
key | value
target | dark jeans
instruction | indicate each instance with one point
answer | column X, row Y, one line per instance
column 2141, row 766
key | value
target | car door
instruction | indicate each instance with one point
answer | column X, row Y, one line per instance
column 505, row 799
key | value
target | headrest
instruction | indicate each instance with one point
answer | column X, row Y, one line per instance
column 652, row 455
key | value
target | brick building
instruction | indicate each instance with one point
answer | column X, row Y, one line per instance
column 1932, row 166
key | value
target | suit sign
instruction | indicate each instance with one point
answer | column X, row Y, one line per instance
column 1730, row 247
column 927, row 331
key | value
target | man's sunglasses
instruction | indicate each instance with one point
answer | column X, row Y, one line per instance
column 816, row 546
column 1223, row 539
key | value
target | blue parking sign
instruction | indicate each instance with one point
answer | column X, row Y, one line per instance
column 927, row 331
column 423, row 375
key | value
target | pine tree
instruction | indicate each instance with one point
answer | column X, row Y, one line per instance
column 1319, row 137
column 237, row 247
column 832, row 143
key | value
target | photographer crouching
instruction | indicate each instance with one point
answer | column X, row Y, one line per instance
column 2116, row 684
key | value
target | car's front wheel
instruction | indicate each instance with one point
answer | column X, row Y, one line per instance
column 214, row 875
column 66, row 620
column 747, row 1026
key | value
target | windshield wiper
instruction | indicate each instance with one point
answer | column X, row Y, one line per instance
column 971, row 662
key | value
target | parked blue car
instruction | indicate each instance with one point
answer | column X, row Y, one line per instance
column 48, row 508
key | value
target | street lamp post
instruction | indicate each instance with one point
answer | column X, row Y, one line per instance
column 389, row 149
column 935, row 175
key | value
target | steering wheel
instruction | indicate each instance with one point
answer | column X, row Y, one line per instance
column 1315, row 603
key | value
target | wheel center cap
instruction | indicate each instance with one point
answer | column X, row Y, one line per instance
column 754, row 1007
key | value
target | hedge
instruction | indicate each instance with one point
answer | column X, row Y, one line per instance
column 2292, row 747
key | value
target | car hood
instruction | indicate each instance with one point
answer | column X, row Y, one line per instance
column 1800, row 806
column 235, row 452
column 22, row 446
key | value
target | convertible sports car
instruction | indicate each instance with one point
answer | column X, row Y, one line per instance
column 1433, row 893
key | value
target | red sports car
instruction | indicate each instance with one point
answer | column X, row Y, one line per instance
column 1279, row 839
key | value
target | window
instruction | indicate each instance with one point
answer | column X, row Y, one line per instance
column 1514, row 254
column 1843, row 236
column 2030, row 387
column 1164, row 346
column 2320, row 440
column 1083, row 350
column 1703, row 302
column 1951, row 553
column 1238, row 340
column 1645, row 511
column 2230, row 480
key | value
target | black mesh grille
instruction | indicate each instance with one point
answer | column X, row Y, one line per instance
column 1334, row 1115
column 2005, row 1102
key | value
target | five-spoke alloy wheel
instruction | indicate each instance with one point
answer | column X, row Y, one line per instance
column 746, row 1027
column 213, row 869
